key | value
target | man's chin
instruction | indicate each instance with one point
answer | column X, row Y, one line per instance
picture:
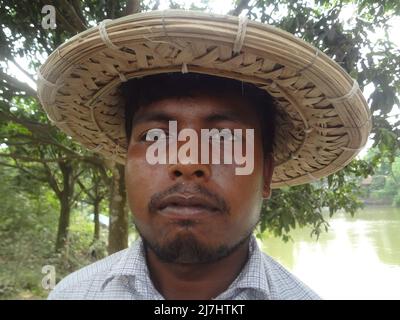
column 186, row 248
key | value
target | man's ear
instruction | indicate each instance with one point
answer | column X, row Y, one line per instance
column 268, row 171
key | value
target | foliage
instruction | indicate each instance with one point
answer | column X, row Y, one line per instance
column 371, row 62
column 28, row 222
column 298, row 206
column 385, row 184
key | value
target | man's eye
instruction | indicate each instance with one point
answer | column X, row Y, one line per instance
column 225, row 135
column 154, row 135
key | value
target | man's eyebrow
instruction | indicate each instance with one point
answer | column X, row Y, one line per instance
column 152, row 116
column 160, row 116
column 224, row 116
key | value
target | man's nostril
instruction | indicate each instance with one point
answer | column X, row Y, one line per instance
column 199, row 173
column 177, row 173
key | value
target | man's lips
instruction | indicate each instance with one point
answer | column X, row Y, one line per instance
column 184, row 206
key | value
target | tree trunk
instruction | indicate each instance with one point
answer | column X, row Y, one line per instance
column 96, row 220
column 64, row 197
column 118, row 228
column 132, row 6
column 63, row 224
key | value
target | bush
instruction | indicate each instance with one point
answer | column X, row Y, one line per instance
column 28, row 226
column 396, row 200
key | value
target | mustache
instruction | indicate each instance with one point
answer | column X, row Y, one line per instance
column 180, row 188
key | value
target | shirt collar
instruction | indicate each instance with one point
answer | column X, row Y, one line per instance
column 253, row 275
column 132, row 267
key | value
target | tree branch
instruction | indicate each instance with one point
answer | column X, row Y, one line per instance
column 51, row 179
column 133, row 6
column 73, row 199
column 76, row 4
column 73, row 16
column 14, row 83
column 44, row 141
column 16, row 166
column 22, row 70
column 11, row 143
column 29, row 159
column 64, row 21
column 8, row 165
column 87, row 192
column 77, row 175
column 35, row 127
column 242, row 4
column 156, row 5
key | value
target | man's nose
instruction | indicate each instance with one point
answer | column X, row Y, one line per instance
column 189, row 171
column 190, row 166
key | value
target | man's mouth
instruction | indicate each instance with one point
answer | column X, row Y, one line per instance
column 183, row 206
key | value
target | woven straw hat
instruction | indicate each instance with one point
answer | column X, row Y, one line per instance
column 323, row 119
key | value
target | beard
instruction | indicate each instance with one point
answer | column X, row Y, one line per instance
column 185, row 248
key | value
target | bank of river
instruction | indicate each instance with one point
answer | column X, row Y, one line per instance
column 359, row 258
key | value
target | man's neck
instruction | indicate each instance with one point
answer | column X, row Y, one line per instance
column 196, row 281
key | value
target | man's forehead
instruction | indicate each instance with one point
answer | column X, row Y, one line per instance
column 202, row 107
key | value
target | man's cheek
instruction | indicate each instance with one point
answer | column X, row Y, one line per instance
column 137, row 169
column 136, row 184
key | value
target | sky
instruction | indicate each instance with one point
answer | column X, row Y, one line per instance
column 222, row 7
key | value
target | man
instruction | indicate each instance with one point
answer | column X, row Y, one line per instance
column 196, row 216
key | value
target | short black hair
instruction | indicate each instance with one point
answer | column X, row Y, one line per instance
column 139, row 92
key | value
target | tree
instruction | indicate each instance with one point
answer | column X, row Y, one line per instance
column 118, row 235
column 19, row 105
column 384, row 186
column 30, row 142
column 95, row 186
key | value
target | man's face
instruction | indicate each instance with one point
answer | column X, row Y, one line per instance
column 195, row 213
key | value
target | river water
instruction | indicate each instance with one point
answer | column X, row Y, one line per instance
column 359, row 258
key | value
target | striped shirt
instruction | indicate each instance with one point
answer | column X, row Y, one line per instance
column 125, row 276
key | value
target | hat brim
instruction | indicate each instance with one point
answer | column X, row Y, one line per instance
column 323, row 119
